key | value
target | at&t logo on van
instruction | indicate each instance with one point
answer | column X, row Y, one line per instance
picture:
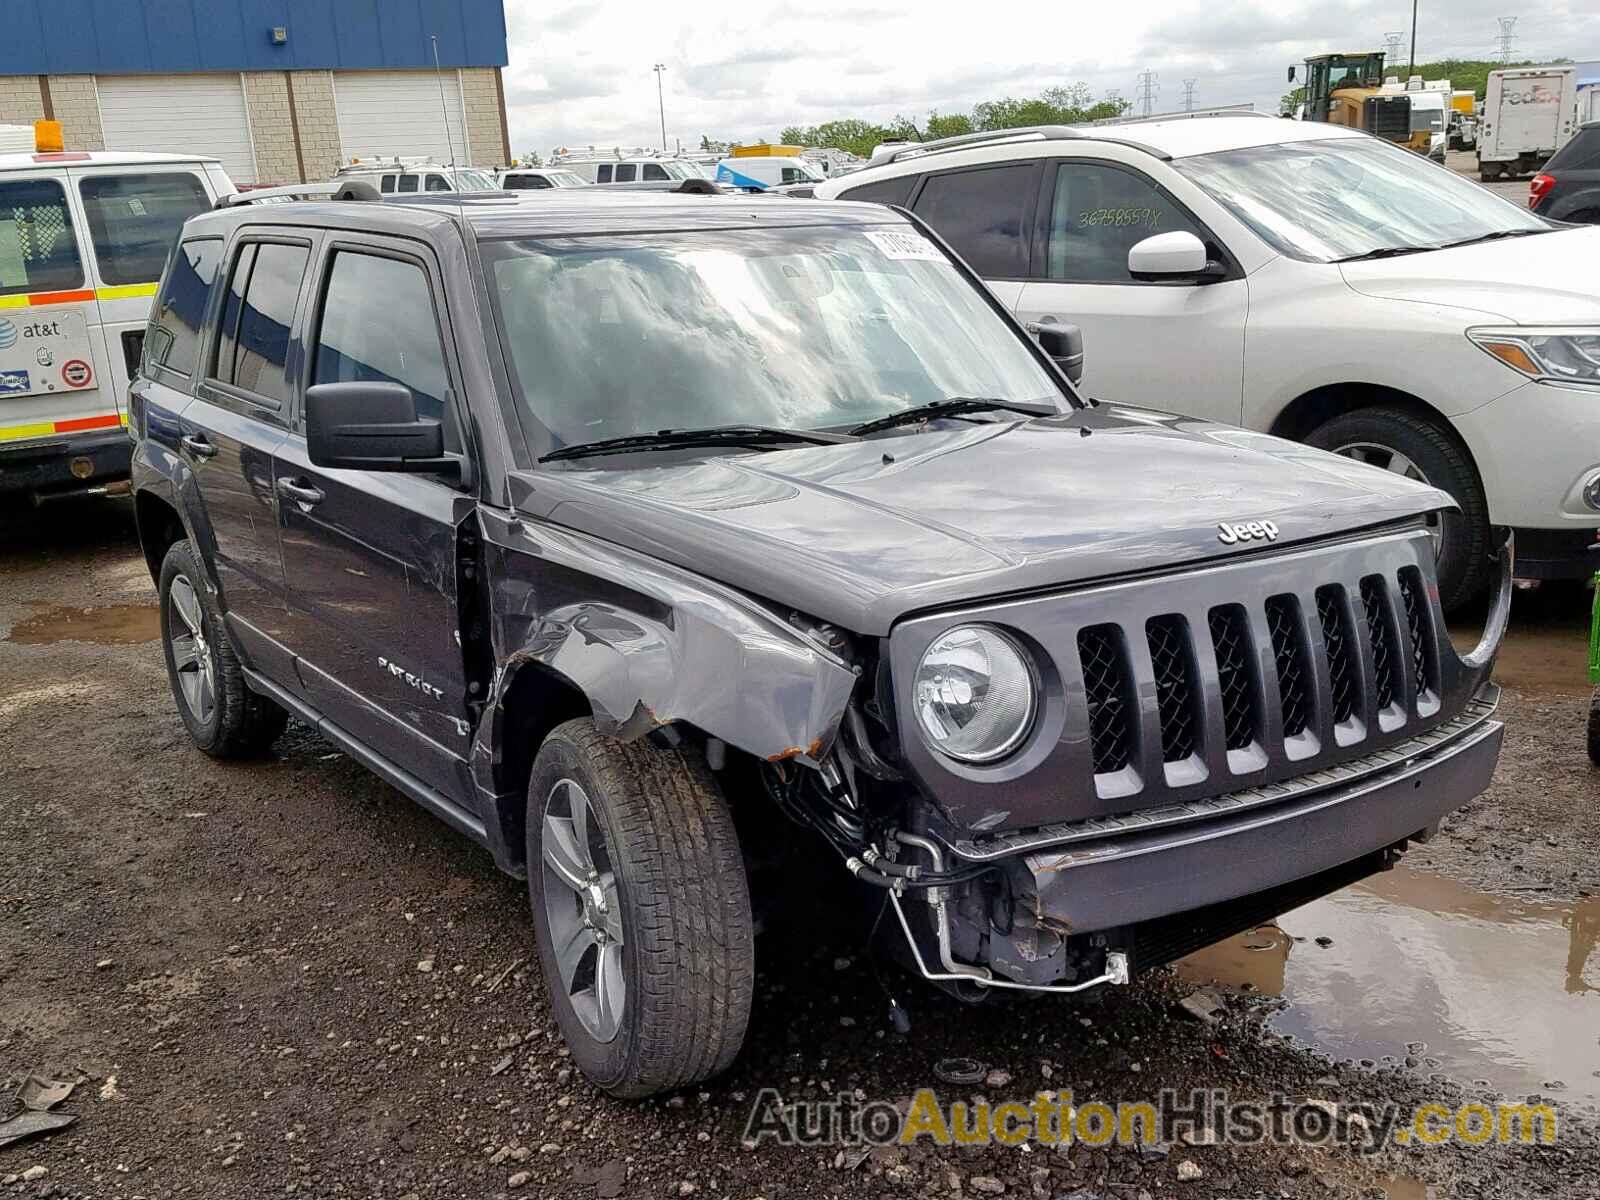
column 8, row 334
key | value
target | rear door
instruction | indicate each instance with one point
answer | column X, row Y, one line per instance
column 53, row 382
column 369, row 556
column 1174, row 346
column 234, row 426
column 131, row 218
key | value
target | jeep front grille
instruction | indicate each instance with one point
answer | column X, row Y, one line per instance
column 1331, row 687
column 1107, row 685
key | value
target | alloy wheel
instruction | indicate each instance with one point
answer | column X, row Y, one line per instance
column 583, row 910
column 192, row 656
column 1387, row 458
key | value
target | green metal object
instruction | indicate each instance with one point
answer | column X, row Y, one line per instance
column 1594, row 634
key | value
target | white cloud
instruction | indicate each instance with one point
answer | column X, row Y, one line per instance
column 581, row 75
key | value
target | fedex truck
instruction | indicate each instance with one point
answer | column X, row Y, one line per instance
column 1528, row 114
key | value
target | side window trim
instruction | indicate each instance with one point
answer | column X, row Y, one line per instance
column 1029, row 212
column 229, row 395
column 1039, row 258
column 312, row 309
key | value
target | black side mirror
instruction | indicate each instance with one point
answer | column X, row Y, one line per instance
column 371, row 427
column 1064, row 343
column 1291, row 74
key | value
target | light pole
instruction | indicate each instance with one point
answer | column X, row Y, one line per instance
column 1412, row 69
column 661, row 104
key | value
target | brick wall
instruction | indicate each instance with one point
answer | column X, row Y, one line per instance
column 20, row 100
column 482, row 102
column 266, row 99
column 319, row 123
column 77, row 108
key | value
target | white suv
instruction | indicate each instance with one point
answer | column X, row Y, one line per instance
column 1304, row 280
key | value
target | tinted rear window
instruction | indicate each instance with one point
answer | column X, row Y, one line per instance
column 980, row 214
column 38, row 252
column 1582, row 153
column 134, row 219
column 885, row 191
column 254, row 350
column 174, row 337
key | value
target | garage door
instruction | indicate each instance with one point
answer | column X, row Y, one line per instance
column 188, row 114
column 384, row 113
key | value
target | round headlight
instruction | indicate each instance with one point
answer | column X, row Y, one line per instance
column 974, row 694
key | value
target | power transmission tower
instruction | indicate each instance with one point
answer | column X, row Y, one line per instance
column 1188, row 94
column 1507, row 24
column 1392, row 43
column 1149, row 89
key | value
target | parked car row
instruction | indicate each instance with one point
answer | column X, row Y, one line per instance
column 1307, row 281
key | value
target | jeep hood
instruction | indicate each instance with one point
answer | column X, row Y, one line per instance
column 862, row 533
column 1544, row 279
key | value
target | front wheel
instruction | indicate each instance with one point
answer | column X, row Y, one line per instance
column 641, row 910
column 1594, row 728
column 1397, row 440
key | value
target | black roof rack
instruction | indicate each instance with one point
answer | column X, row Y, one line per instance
column 343, row 189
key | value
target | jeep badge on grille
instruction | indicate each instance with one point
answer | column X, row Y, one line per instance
column 1232, row 535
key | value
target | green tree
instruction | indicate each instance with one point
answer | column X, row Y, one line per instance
column 1290, row 101
column 947, row 125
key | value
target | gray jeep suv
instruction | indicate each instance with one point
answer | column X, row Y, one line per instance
column 629, row 533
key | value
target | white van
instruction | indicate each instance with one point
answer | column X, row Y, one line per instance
column 404, row 176
column 83, row 240
column 757, row 172
column 639, row 168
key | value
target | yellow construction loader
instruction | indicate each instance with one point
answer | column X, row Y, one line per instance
column 1347, row 89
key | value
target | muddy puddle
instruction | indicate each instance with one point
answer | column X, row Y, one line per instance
column 1497, row 992
column 101, row 625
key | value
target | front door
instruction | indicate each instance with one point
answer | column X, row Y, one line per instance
column 1172, row 346
column 370, row 556
column 233, row 428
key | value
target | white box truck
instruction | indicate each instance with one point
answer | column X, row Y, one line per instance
column 1528, row 114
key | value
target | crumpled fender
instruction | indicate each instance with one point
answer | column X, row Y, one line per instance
column 650, row 645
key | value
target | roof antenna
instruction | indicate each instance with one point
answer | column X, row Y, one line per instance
column 449, row 139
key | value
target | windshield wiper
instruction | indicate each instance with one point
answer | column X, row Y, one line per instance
column 1386, row 252
column 718, row 435
column 1493, row 237
column 954, row 406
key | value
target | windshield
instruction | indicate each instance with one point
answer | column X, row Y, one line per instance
column 678, row 170
column 815, row 328
column 564, row 179
column 1323, row 201
column 474, row 181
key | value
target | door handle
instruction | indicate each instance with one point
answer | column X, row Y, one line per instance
column 299, row 491
column 196, row 444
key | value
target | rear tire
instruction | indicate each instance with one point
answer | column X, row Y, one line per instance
column 641, row 910
column 1594, row 728
column 1394, row 438
column 224, row 717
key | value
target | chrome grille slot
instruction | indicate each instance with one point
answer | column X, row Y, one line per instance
column 1241, row 708
column 1381, row 634
column 1108, row 689
column 1339, row 642
column 1419, row 623
column 1176, row 696
column 1293, row 663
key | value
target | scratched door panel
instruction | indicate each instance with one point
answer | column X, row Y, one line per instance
column 370, row 570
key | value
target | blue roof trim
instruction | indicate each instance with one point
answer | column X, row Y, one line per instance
column 125, row 37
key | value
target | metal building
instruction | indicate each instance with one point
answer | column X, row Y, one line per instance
column 281, row 91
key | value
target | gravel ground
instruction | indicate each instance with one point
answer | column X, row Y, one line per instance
column 283, row 978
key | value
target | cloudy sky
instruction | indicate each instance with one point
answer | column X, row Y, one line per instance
column 580, row 72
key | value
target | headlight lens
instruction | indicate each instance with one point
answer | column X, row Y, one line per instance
column 1564, row 354
column 975, row 694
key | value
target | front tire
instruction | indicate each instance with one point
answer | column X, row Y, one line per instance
column 1398, row 440
column 641, row 910
column 1594, row 728
column 224, row 717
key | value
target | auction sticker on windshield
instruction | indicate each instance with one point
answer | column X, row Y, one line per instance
column 44, row 354
column 904, row 243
